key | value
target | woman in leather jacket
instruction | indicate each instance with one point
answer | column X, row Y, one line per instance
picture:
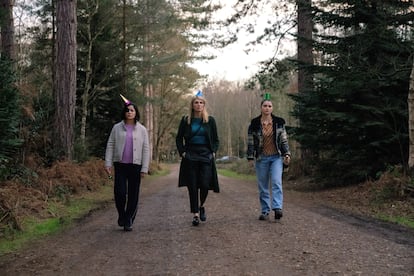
column 268, row 146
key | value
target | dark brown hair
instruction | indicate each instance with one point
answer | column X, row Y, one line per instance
column 125, row 109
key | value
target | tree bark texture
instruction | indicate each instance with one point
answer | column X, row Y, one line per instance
column 124, row 50
column 305, row 54
column 7, row 29
column 87, row 89
column 65, row 77
column 411, row 120
column 149, row 118
column 305, row 57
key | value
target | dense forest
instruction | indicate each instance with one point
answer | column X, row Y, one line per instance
column 346, row 93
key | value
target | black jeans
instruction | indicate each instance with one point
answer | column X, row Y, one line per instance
column 126, row 189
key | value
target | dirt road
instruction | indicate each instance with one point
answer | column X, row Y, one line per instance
column 309, row 240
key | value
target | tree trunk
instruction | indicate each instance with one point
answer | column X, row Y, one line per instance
column 148, row 115
column 87, row 90
column 229, row 134
column 124, row 50
column 65, row 78
column 305, row 57
column 305, row 54
column 54, row 60
column 148, row 87
column 411, row 120
column 7, row 29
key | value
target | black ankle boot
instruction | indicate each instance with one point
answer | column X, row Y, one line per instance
column 128, row 225
column 278, row 214
column 203, row 216
column 196, row 221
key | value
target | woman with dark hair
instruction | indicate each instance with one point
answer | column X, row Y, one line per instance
column 197, row 142
column 268, row 145
column 128, row 151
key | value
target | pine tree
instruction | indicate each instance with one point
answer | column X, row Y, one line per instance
column 355, row 122
column 9, row 117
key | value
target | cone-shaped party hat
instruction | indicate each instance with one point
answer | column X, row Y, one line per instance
column 266, row 97
column 126, row 101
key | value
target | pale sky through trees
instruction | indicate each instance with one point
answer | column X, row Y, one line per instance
column 234, row 63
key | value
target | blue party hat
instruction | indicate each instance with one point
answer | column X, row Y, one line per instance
column 199, row 93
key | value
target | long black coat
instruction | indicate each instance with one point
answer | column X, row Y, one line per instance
column 182, row 139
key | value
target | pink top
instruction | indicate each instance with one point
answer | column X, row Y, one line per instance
column 127, row 155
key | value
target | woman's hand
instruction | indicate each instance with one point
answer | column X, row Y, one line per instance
column 109, row 172
column 286, row 159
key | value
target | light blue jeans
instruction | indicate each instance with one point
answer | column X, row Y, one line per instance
column 269, row 169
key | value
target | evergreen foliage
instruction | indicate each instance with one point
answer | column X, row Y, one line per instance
column 274, row 77
column 159, row 46
column 99, row 29
column 355, row 122
column 9, row 117
column 36, row 74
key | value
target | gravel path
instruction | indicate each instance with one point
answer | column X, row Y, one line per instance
column 311, row 239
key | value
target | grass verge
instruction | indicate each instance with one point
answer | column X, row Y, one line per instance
column 398, row 220
column 63, row 210
column 63, row 215
column 341, row 198
column 234, row 174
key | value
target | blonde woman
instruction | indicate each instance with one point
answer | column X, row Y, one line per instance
column 197, row 142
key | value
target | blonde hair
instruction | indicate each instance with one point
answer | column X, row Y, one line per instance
column 204, row 114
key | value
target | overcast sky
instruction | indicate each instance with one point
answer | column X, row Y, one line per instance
column 233, row 63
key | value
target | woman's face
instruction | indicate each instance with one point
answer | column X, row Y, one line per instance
column 198, row 105
column 267, row 107
column 130, row 113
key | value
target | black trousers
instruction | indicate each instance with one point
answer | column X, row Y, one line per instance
column 198, row 182
column 126, row 190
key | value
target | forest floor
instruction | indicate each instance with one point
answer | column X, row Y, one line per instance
column 330, row 232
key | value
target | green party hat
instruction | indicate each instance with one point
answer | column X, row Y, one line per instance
column 266, row 97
